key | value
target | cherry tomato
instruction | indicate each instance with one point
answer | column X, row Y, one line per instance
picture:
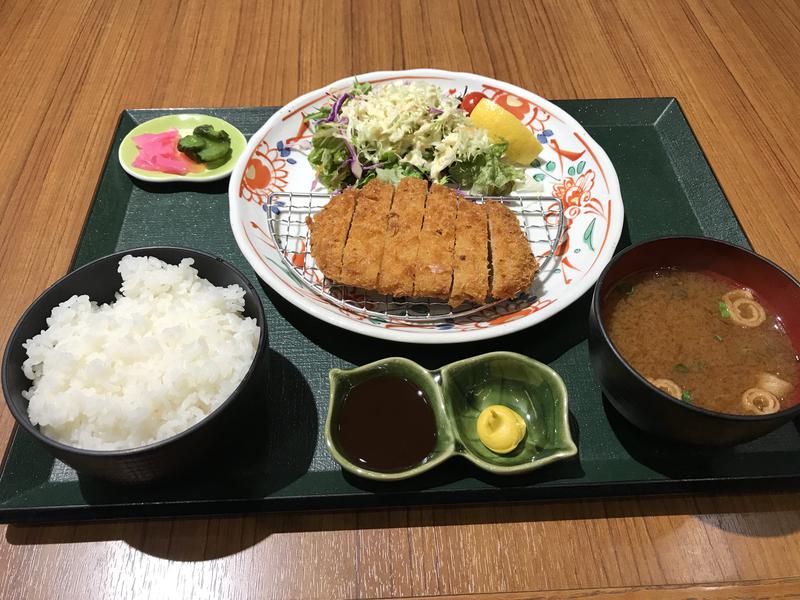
column 471, row 100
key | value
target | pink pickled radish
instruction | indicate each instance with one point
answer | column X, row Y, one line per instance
column 159, row 152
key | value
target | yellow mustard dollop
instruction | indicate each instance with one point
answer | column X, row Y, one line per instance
column 500, row 428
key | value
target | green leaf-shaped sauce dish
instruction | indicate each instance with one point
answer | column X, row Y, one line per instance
column 393, row 419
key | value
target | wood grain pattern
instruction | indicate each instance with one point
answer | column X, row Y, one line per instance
column 777, row 589
column 69, row 68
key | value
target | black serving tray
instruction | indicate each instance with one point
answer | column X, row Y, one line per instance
column 668, row 188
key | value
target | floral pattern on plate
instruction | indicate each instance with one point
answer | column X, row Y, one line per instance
column 572, row 168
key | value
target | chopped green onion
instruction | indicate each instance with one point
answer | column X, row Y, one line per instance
column 626, row 287
column 681, row 368
column 723, row 310
column 686, row 396
column 718, row 338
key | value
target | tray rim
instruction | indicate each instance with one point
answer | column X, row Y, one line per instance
column 73, row 513
column 365, row 499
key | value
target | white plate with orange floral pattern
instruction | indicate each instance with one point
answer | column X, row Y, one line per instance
column 572, row 167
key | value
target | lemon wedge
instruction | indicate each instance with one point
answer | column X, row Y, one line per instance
column 501, row 125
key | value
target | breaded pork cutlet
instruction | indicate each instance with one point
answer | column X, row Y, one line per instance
column 361, row 260
column 405, row 243
column 434, row 272
column 471, row 255
column 402, row 238
column 329, row 233
column 513, row 263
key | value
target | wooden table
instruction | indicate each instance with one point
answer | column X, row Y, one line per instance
column 69, row 68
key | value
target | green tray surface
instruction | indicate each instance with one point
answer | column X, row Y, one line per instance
column 668, row 188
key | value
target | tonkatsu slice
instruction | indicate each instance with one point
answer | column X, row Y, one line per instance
column 513, row 263
column 471, row 255
column 420, row 242
column 329, row 233
column 433, row 275
column 361, row 260
column 402, row 238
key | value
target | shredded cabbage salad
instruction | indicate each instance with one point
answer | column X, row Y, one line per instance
column 405, row 130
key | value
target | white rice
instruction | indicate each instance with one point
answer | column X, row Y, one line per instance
column 166, row 353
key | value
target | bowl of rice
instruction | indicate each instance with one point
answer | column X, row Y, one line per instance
column 138, row 364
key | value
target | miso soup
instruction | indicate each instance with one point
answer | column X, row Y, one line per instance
column 704, row 340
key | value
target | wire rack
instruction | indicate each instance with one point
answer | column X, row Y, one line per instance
column 541, row 217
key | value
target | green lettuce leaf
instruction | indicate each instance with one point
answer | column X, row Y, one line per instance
column 320, row 113
column 329, row 157
column 360, row 88
column 394, row 172
column 486, row 173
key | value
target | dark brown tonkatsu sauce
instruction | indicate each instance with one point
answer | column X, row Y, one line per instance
column 386, row 424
